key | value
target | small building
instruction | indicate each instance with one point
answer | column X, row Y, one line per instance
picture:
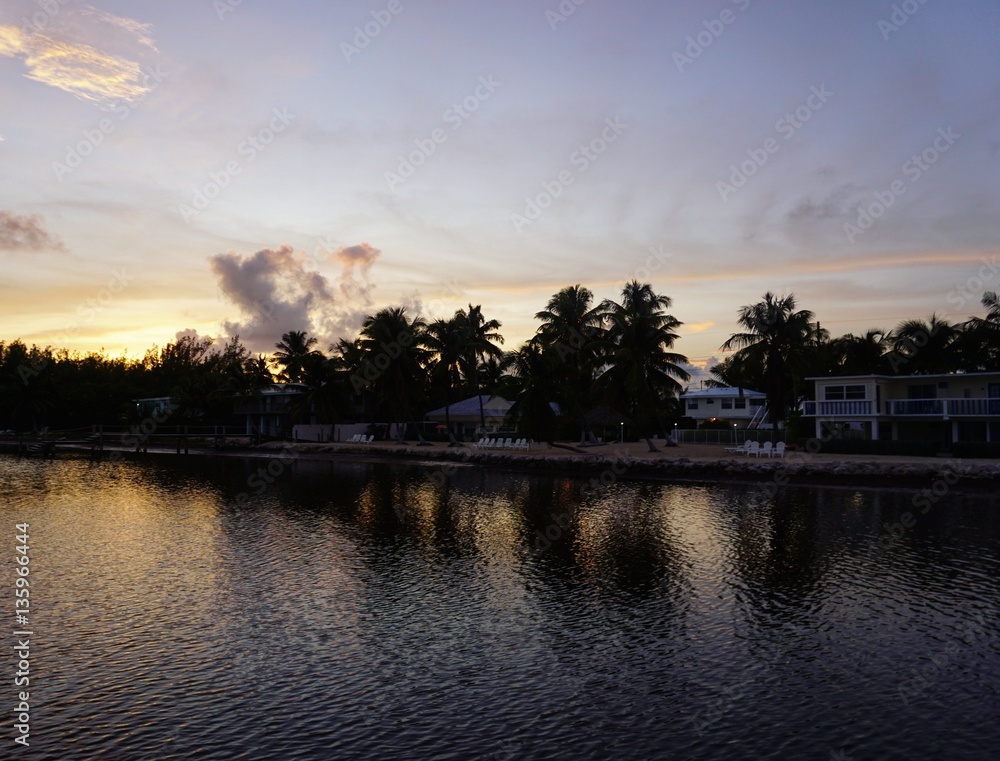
column 271, row 412
column 157, row 407
column 741, row 407
column 465, row 415
column 951, row 407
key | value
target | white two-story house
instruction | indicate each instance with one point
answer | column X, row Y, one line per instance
column 741, row 407
column 954, row 407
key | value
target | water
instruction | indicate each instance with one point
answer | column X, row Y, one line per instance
column 362, row 610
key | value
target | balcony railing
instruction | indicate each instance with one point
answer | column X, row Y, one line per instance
column 944, row 407
column 906, row 408
column 833, row 409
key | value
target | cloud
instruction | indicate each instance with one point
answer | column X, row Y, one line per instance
column 83, row 51
column 698, row 327
column 26, row 233
column 357, row 262
column 276, row 293
column 142, row 33
column 361, row 256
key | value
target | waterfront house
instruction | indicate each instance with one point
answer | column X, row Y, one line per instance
column 465, row 418
column 958, row 407
column 270, row 412
column 741, row 407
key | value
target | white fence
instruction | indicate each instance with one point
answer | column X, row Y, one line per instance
column 721, row 436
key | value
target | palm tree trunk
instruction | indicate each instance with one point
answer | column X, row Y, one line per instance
column 482, row 413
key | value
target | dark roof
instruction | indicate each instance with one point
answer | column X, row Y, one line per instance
column 470, row 406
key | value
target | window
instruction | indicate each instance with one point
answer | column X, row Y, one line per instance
column 841, row 393
column 692, row 405
column 757, row 402
column 727, row 404
column 740, row 403
column 921, row 391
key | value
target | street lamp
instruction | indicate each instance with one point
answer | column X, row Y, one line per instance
column 622, row 424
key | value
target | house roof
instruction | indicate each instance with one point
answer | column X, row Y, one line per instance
column 493, row 406
column 722, row 393
column 876, row 376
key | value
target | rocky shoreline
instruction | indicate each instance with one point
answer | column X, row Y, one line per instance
column 686, row 464
column 793, row 469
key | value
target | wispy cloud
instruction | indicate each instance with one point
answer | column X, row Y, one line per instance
column 20, row 232
column 84, row 51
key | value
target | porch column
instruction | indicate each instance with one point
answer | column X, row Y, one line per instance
column 875, row 429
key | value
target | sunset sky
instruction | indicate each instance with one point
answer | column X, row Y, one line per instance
column 259, row 167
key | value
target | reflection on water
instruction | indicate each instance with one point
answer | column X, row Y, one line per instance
column 364, row 610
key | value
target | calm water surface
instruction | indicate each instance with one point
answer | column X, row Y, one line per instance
column 360, row 610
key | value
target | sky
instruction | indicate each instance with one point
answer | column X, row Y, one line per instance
column 256, row 167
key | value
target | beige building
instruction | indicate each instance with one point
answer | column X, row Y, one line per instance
column 954, row 407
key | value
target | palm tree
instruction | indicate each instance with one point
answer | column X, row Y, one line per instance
column 571, row 326
column 292, row 352
column 394, row 362
column 735, row 371
column 446, row 340
column 325, row 392
column 981, row 336
column 864, row 354
column 777, row 338
column 530, row 375
column 640, row 370
column 481, row 337
column 926, row 347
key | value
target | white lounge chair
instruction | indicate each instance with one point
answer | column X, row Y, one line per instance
column 753, row 449
column 481, row 443
column 742, row 449
column 765, row 451
column 779, row 450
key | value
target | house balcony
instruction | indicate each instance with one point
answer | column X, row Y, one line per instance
column 937, row 408
column 943, row 407
column 839, row 409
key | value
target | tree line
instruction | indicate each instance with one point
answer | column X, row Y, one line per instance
column 586, row 356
